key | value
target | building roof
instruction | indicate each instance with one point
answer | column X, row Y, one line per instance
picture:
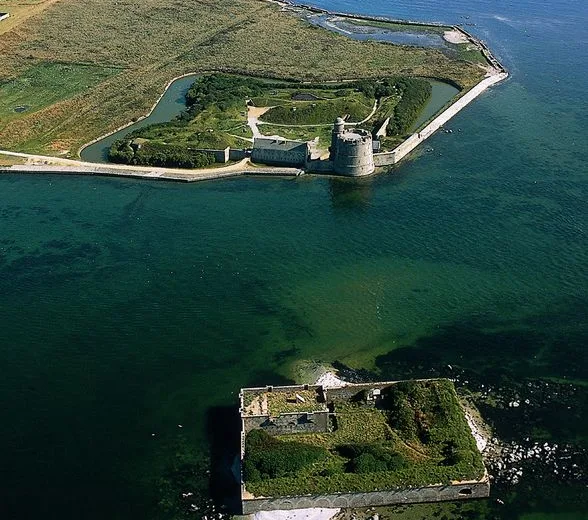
column 277, row 143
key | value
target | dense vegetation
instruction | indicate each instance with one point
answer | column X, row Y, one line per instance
column 416, row 436
column 156, row 154
column 271, row 458
column 215, row 116
column 414, row 94
column 402, row 100
column 223, row 91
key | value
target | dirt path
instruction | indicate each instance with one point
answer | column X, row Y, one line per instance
column 368, row 117
column 20, row 13
column 253, row 115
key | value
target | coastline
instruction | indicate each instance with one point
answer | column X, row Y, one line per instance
column 40, row 164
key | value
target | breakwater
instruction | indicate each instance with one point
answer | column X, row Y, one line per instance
column 39, row 164
column 401, row 151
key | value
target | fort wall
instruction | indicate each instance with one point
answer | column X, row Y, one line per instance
column 287, row 423
column 282, row 152
column 438, row 493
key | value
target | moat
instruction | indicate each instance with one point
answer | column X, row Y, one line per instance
column 173, row 103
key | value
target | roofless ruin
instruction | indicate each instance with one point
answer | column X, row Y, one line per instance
column 358, row 445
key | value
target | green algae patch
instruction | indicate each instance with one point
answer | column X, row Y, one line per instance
column 415, row 434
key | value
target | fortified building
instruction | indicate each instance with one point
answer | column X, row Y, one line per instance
column 351, row 152
column 301, row 410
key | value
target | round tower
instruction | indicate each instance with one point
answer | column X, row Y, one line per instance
column 354, row 154
column 338, row 129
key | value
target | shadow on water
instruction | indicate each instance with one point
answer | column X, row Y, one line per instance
column 223, row 429
column 550, row 345
column 350, row 193
column 223, row 432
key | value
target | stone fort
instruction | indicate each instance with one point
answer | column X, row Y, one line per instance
column 351, row 152
column 308, row 409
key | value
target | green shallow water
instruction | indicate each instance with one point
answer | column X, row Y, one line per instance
column 129, row 308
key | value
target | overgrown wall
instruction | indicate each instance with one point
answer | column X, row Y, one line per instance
column 317, row 422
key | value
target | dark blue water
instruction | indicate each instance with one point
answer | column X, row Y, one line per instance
column 130, row 308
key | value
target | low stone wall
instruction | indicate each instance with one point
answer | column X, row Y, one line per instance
column 384, row 159
column 401, row 151
column 237, row 154
column 288, row 423
column 220, row 156
column 414, row 140
column 440, row 493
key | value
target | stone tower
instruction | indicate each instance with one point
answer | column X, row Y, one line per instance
column 338, row 129
column 352, row 151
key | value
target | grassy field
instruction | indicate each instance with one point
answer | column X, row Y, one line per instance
column 417, row 435
column 250, row 36
column 355, row 105
column 46, row 84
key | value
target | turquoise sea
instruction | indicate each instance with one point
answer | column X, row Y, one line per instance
column 131, row 312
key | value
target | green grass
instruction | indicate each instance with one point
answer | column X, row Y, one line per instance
column 233, row 35
column 416, row 436
column 285, row 402
column 301, row 133
column 46, row 84
column 469, row 52
column 356, row 106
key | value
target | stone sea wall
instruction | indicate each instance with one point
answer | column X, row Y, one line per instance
column 440, row 493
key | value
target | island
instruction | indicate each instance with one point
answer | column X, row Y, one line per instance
column 356, row 445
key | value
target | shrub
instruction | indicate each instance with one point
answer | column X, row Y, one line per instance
column 369, row 458
column 268, row 458
column 158, row 154
column 222, row 91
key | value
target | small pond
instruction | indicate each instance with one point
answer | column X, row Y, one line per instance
column 420, row 36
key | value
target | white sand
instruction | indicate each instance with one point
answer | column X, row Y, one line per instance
column 318, row 513
column 330, row 380
column 455, row 37
column 481, row 440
